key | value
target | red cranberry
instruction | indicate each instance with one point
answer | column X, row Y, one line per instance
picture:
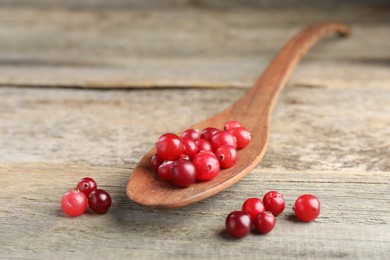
column 207, row 166
column 273, row 201
column 208, row 132
column 242, row 135
column 190, row 147
column 222, row 137
column 169, row 147
column 155, row 162
column 74, row 203
column 192, row 134
column 238, row 224
column 265, row 222
column 185, row 157
column 164, row 170
column 307, row 207
column 183, row 173
column 226, row 155
column 99, row 201
column 253, row 206
column 209, row 152
column 231, row 124
column 86, row 185
column 203, row 144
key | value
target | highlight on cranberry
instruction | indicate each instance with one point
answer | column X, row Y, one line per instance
column 206, row 152
column 76, row 201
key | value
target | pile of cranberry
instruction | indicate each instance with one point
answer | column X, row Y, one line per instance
column 198, row 155
column 261, row 214
column 75, row 202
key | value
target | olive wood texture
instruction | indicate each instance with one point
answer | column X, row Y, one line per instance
column 253, row 110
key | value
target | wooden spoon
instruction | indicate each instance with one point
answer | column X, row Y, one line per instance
column 253, row 110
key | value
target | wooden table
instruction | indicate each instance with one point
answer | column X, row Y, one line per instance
column 113, row 62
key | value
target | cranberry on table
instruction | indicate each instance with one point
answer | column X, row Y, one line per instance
column 231, row 124
column 155, row 162
column 273, row 201
column 253, row 206
column 203, row 144
column 238, row 224
column 192, row 134
column 183, row 173
column 164, row 170
column 169, row 147
column 226, row 155
column 307, row 207
column 242, row 135
column 221, row 138
column 99, row 201
column 207, row 166
column 86, row 185
column 208, row 132
column 190, row 147
column 74, row 203
column 265, row 222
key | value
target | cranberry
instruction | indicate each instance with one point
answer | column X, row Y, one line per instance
column 226, row 155
column 169, row 147
column 253, row 206
column 74, row 203
column 99, row 201
column 86, row 185
column 265, row 222
column 238, row 224
column 209, row 152
column 222, row 137
column 307, row 207
column 231, row 124
column 164, row 170
column 192, row 134
column 207, row 166
column 203, row 144
column 190, row 147
column 208, row 132
column 155, row 162
column 242, row 135
column 183, row 173
column 273, row 201
column 185, row 157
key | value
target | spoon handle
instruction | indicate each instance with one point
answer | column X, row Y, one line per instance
column 261, row 98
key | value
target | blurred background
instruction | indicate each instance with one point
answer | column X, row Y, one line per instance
column 181, row 43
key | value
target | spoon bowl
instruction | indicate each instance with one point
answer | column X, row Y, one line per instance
column 253, row 110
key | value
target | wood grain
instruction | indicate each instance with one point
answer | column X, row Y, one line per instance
column 182, row 46
column 329, row 132
column 322, row 142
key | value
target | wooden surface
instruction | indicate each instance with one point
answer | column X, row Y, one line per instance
column 329, row 132
column 186, row 47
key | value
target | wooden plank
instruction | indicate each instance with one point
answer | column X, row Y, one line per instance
column 354, row 223
column 220, row 4
column 331, row 142
column 315, row 128
column 184, row 47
